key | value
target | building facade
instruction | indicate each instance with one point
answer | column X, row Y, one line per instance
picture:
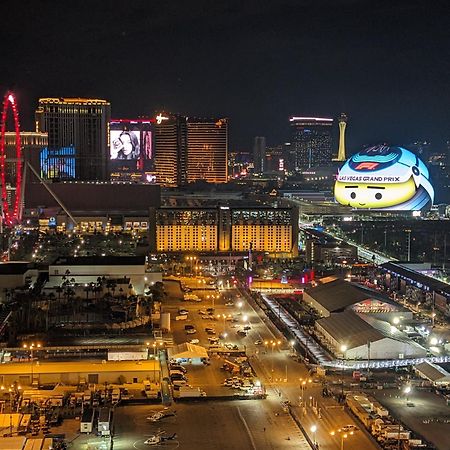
column 207, row 155
column 311, row 142
column 170, row 150
column 185, row 229
column 78, row 146
column 259, row 154
column 226, row 229
column 32, row 145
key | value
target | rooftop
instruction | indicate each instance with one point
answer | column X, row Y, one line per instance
column 337, row 295
column 13, row 267
column 74, row 100
column 432, row 371
column 419, row 278
column 100, row 261
column 79, row 367
column 349, row 328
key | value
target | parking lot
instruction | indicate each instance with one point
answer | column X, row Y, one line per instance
column 224, row 322
column 423, row 406
column 214, row 425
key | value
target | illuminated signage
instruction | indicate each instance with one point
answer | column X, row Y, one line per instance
column 160, row 118
column 131, row 150
column 384, row 178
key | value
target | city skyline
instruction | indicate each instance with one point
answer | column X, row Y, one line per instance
column 320, row 59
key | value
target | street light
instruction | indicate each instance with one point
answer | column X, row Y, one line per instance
column 343, row 350
column 343, row 437
column 313, row 431
column 407, row 390
column 303, row 386
column 31, row 347
column 292, row 342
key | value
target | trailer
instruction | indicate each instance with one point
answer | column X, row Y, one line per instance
column 104, row 421
column 189, row 392
column 87, row 421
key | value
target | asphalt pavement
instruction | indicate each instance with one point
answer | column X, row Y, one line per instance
column 423, row 406
column 210, row 425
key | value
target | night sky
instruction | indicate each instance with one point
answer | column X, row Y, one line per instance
column 385, row 63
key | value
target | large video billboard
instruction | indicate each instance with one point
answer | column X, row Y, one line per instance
column 57, row 164
column 131, row 150
column 384, row 178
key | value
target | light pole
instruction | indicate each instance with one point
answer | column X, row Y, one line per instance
column 407, row 390
column 343, row 437
column 303, row 386
column 292, row 342
column 274, row 344
column 31, row 347
column 313, row 431
column 343, row 350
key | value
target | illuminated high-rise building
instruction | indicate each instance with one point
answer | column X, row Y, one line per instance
column 77, row 138
column 32, row 145
column 311, row 142
column 207, row 154
column 342, row 126
column 259, row 154
column 170, row 147
column 227, row 229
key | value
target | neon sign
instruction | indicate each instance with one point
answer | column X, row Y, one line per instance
column 160, row 118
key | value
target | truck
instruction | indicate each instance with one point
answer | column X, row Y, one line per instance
column 87, row 397
column 87, row 421
column 115, row 395
column 186, row 392
column 104, row 421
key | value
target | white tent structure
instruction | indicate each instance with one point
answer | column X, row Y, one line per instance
column 187, row 351
column 432, row 372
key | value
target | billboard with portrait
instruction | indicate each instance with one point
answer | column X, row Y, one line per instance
column 131, row 150
column 125, row 144
column 384, row 178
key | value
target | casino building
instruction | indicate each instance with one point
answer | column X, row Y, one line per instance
column 227, row 229
column 77, row 138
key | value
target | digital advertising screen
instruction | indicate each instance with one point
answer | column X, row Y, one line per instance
column 131, row 150
column 58, row 163
column 384, row 178
column 125, row 144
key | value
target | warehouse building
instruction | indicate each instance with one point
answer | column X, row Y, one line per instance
column 79, row 372
column 339, row 295
column 434, row 373
column 349, row 336
column 123, row 270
